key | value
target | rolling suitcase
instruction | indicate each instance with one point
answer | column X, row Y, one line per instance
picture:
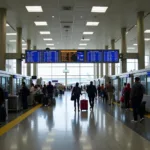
column 84, row 104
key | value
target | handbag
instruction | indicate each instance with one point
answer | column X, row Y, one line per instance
column 73, row 97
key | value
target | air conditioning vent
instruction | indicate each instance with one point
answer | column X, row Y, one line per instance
column 67, row 8
column 67, row 27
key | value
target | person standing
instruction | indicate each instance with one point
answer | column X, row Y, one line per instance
column 110, row 91
column 127, row 92
column 92, row 92
column 137, row 93
column 76, row 92
column 50, row 90
column 24, row 93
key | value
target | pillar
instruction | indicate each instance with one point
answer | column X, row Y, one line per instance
column 123, row 49
column 97, row 70
column 19, row 50
column 34, row 65
column 141, row 42
column 113, row 69
column 66, row 74
column 2, row 38
column 106, row 65
column 101, row 66
column 28, row 64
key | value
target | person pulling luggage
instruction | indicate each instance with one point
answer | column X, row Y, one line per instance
column 92, row 93
column 76, row 92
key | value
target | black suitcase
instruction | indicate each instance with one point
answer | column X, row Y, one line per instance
column 2, row 114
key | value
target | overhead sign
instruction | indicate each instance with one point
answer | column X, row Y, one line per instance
column 72, row 56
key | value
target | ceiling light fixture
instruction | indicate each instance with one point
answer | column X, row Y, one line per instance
column 147, row 39
column 50, row 44
column 53, row 16
column 85, row 39
column 11, row 33
column 24, row 44
column 131, row 48
column 83, row 44
column 99, row 9
column 81, row 47
column 12, row 40
column 135, row 44
column 48, row 39
column 40, row 23
column 88, row 33
column 147, row 31
column 7, row 25
column 34, row 8
column 92, row 23
column 45, row 32
column 52, row 48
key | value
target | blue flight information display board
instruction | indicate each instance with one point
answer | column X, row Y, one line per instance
column 42, row 56
column 111, row 56
column 94, row 56
column 80, row 56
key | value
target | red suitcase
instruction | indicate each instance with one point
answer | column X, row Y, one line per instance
column 84, row 104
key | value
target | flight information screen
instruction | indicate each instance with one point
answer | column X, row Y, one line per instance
column 50, row 56
column 111, row 56
column 42, row 56
column 33, row 56
column 72, row 56
column 94, row 56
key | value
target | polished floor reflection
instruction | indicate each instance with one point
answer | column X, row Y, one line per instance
column 60, row 128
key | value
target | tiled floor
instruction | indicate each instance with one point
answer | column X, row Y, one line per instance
column 60, row 128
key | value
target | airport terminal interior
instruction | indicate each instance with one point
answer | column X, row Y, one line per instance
column 47, row 48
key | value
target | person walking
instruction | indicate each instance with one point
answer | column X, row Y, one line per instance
column 92, row 92
column 50, row 90
column 110, row 91
column 76, row 92
column 137, row 93
column 127, row 92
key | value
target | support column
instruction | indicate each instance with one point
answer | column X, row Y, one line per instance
column 102, row 74
column 113, row 69
column 141, row 42
column 28, row 64
column 34, row 65
column 2, row 38
column 97, row 70
column 106, row 65
column 66, row 75
column 123, row 49
column 19, row 50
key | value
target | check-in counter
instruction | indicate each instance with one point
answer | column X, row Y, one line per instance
column 14, row 103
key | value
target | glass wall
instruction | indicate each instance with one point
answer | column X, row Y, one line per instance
column 11, row 65
column 76, row 72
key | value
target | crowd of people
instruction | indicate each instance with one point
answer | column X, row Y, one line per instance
column 130, row 97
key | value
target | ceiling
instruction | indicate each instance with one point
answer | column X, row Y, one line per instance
column 120, row 13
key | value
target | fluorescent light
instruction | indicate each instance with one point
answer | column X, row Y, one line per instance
column 24, row 48
column 99, row 9
column 147, row 31
column 50, row 44
column 40, row 23
column 131, row 48
column 45, row 32
column 81, row 47
column 34, row 8
column 11, row 33
column 53, row 16
column 49, row 39
column 88, row 33
column 85, row 39
column 83, row 44
column 12, row 40
column 147, row 39
column 92, row 23
column 135, row 44
column 52, row 47
column 127, row 32
column 24, row 44
column 7, row 25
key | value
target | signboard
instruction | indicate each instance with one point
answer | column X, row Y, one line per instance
column 94, row 56
column 111, row 56
column 72, row 56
